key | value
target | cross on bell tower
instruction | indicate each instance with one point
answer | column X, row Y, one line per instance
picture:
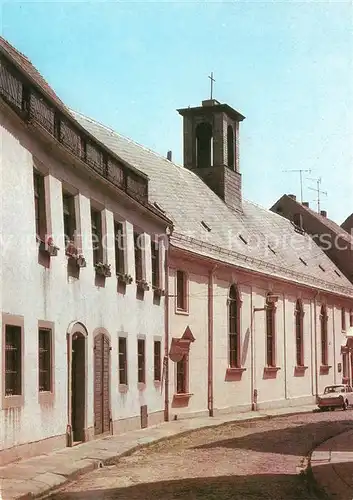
column 212, row 82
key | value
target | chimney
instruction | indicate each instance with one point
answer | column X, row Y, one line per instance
column 169, row 156
column 323, row 213
column 305, row 204
column 292, row 196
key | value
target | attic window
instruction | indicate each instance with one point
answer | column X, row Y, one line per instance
column 243, row 239
column 206, row 226
column 322, row 268
column 303, row 261
column 272, row 250
column 158, row 207
column 338, row 274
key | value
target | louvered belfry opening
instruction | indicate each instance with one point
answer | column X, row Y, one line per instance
column 101, row 384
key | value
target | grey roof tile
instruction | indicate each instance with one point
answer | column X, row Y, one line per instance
column 187, row 201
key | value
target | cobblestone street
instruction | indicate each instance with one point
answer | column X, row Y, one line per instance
column 248, row 460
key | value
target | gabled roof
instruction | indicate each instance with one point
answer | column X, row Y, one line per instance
column 257, row 240
column 347, row 225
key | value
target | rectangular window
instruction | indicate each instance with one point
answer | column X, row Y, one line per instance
column 69, row 217
column 350, row 318
column 270, row 336
column 45, row 359
column 39, row 205
column 122, row 361
column 96, row 226
column 138, row 256
column 343, row 319
column 13, row 361
column 182, row 376
column 119, row 248
column 181, row 291
column 141, row 368
column 155, row 263
column 157, row 360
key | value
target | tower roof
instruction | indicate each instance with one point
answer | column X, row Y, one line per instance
column 209, row 107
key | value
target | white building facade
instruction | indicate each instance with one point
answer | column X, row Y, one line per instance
column 83, row 280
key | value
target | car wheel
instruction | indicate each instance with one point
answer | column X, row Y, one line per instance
column 345, row 405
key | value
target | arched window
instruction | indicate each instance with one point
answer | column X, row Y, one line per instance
column 234, row 327
column 204, row 145
column 299, row 337
column 270, row 333
column 323, row 327
column 230, row 146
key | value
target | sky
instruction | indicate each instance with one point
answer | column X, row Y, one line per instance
column 287, row 66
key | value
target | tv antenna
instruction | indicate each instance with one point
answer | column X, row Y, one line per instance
column 300, row 171
column 318, row 191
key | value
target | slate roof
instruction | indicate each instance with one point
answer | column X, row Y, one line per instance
column 347, row 225
column 258, row 239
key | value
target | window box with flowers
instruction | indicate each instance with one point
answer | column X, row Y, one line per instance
column 103, row 269
column 142, row 285
column 48, row 246
column 159, row 292
column 125, row 278
column 72, row 252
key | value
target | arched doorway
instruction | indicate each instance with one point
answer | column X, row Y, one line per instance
column 101, row 382
column 76, row 344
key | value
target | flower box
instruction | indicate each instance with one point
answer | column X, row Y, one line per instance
column 71, row 250
column 142, row 285
column 81, row 261
column 159, row 292
column 103, row 269
column 48, row 246
column 125, row 278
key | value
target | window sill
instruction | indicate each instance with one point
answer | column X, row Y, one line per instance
column 299, row 370
column 183, row 396
column 183, row 312
column 234, row 373
column 123, row 388
column 324, row 369
column 271, row 369
column 12, row 401
column 46, row 398
column 141, row 386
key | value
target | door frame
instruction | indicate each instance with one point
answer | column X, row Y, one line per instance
column 96, row 333
column 75, row 327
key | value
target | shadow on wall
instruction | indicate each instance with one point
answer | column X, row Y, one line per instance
column 290, row 441
column 255, row 487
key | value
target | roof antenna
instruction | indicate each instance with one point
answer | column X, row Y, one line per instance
column 301, row 180
column 318, row 191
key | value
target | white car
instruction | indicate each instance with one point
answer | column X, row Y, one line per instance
column 336, row 396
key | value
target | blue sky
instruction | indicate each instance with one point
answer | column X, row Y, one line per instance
column 287, row 66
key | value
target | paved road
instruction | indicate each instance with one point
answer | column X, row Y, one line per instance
column 258, row 460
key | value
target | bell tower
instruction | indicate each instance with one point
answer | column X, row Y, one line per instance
column 211, row 148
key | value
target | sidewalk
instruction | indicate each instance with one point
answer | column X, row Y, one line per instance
column 332, row 466
column 37, row 476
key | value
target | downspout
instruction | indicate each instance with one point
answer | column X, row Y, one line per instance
column 316, row 349
column 334, row 344
column 166, row 333
column 252, row 361
column 285, row 348
column 210, row 343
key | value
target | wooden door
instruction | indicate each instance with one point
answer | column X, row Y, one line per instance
column 101, row 384
column 78, row 387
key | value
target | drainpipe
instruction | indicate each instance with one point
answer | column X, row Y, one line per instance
column 210, row 342
column 285, row 348
column 334, row 345
column 315, row 335
column 166, row 333
column 252, row 361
